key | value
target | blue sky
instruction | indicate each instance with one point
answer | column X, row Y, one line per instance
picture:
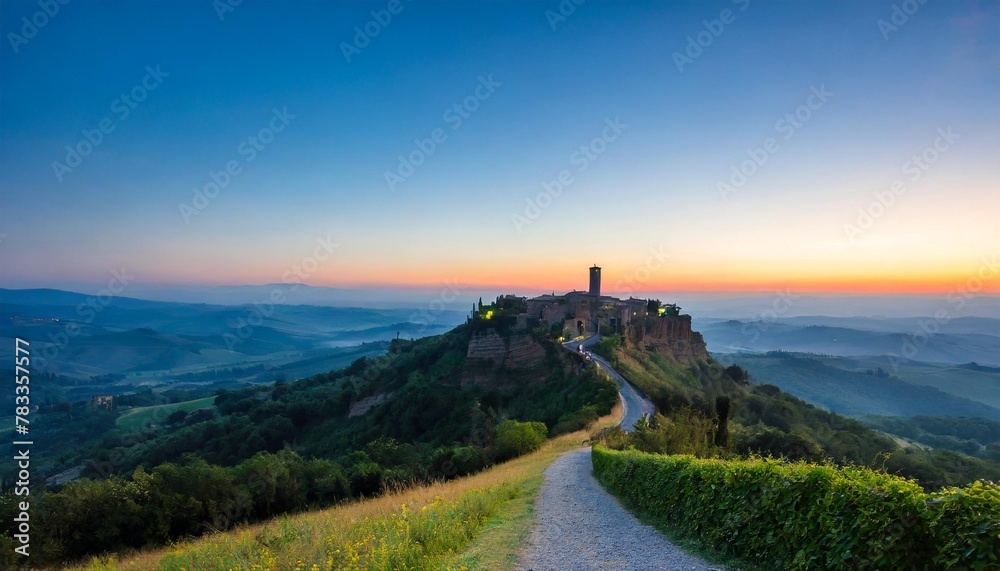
column 655, row 186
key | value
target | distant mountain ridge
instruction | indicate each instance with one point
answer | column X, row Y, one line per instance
column 44, row 296
column 961, row 340
column 450, row 293
column 790, row 304
column 707, row 306
column 89, row 341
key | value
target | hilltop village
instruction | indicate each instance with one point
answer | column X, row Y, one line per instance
column 506, row 332
column 585, row 313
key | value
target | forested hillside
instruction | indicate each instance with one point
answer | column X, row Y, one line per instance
column 393, row 420
column 711, row 411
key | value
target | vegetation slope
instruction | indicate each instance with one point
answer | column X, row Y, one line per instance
column 474, row 522
column 396, row 420
column 752, row 474
column 708, row 410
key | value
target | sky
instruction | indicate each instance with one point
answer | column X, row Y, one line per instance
column 681, row 146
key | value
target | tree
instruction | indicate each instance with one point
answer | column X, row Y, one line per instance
column 366, row 477
column 722, row 404
column 608, row 347
column 274, row 481
column 515, row 438
column 556, row 330
column 738, row 374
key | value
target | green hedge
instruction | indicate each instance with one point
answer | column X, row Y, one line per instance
column 780, row 515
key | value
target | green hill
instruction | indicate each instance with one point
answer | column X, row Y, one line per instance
column 970, row 381
column 955, row 344
column 409, row 416
column 136, row 418
column 757, row 476
column 855, row 393
column 433, row 409
column 698, row 399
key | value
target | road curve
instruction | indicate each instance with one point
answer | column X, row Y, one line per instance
column 579, row 526
column 636, row 404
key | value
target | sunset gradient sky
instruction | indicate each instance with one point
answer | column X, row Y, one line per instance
column 647, row 207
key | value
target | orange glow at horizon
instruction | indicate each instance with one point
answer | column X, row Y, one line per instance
column 684, row 272
column 889, row 283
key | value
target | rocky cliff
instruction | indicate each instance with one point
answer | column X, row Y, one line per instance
column 671, row 336
column 503, row 360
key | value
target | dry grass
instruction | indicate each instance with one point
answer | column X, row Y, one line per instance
column 475, row 522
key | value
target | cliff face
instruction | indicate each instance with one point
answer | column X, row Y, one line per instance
column 494, row 359
column 671, row 336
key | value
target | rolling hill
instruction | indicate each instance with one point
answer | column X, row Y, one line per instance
column 966, row 341
column 852, row 393
column 152, row 343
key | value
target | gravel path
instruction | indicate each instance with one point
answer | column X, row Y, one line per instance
column 636, row 404
column 580, row 526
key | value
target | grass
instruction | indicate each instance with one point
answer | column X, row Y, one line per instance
column 476, row 522
column 137, row 418
column 497, row 546
column 653, row 374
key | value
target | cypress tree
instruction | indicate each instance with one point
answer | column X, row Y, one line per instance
column 722, row 434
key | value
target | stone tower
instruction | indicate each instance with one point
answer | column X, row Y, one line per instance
column 595, row 281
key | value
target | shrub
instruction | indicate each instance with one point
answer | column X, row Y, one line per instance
column 965, row 523
column 366, row 477
column 515, row 438
column 768, row 441
column 573, row 421
column 780, row 515
column 468, row 460
column 688, row 432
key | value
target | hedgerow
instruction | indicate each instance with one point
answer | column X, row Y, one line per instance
column 798, row 515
